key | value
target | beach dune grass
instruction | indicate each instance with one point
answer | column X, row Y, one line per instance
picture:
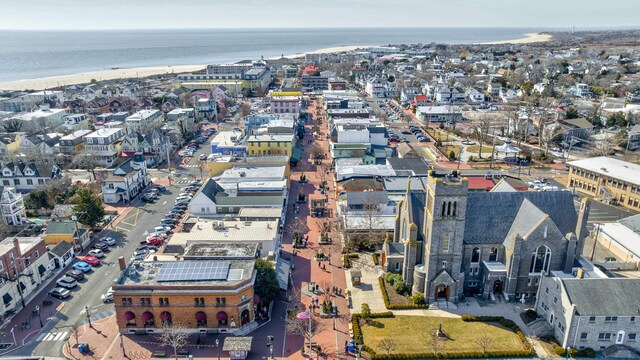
column 411, row 334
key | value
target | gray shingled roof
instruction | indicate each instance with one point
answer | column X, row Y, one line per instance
column 593, row 297
column 489, row 216
column 395, row 248
column 418, row 200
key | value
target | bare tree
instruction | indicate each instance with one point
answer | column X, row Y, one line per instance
column 484, row 342
column 388, row 345
column 305, row 328
column 12, row 125
column 245, row 109
column 174, row 335
column 436, row 343
column 481, row 125
column 550, row 134
column 85, row 161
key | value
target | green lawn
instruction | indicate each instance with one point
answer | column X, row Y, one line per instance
column 473, row 150
column 446, row 149
column 411, row 334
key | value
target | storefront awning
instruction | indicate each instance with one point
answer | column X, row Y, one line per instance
column 222, row 316
column 165, row 316
column 128, row 316
column 201, row 316
column 147, row 316
column 283, row 267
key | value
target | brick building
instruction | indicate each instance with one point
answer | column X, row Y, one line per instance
column 213, row 294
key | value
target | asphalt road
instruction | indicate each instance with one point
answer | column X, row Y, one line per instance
column 128, row 234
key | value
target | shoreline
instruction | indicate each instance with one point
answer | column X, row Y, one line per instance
column 528, row 39
column 50, row 82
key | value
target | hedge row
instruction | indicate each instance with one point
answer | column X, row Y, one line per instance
column 346, row 263
column 452, row 355
column 391, row 306
column 573, row 353
column 374, row 257
column 357, row 331
column 506, row 323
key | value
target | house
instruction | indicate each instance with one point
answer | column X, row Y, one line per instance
column 492, row 244
column 73, row 143
column 474, row 96
column 126, row 181
column 493, row 89
column 24, row 268
column 104, row 145
column 154, row 145
column 10, row 143
column 374, row 87
column 575, row 128
column 583, row 91
column 439, row 114
column 41, row 119
column 633, row 138
column 40, row 144
column 76, row 122
column 26, row 176
column 589, row 310
column 67, row 231
column 13, row 211
column 62, row 254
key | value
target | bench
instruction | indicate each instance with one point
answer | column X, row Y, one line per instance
column 183, row 352
column 159, row 354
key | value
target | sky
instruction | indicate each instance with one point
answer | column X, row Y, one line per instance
column 165, row 14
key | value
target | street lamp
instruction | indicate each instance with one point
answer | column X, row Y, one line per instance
column 270, row 345
column 88, row 314
column 39, row 317
column 359, row 351
column 218, row 347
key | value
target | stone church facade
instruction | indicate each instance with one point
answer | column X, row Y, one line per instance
column 449, row 242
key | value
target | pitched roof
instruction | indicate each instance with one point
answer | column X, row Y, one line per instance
column 490, row 215
column 409, row 166
column 61, row 248
column 592, row 297
column 211, row 189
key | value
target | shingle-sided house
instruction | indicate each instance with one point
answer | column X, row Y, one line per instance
column 26, row 176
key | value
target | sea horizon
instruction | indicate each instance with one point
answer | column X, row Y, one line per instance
column 33, row 54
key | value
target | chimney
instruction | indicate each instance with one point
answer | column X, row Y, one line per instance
column 16, row 245
column 122, row 264
column 580, row 273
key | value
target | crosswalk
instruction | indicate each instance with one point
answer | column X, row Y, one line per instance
column 52, row 336
column 191, row 165
column 97, row 315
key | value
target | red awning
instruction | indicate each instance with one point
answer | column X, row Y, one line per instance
column 201, row 316
column 256, row 299
column 128, row 316
column 222, row 316
column 165, row 316
column 147, row 316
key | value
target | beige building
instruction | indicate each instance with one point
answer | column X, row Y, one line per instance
column 607, row 179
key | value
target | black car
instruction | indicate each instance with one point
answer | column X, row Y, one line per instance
column 76, row 274
column 169, row 221
column 161, row 188
column 147, row 247
column 146, row 199
column 180, row 207
column 101, row 245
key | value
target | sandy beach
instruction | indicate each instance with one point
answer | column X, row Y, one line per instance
column 330, row 50
column 530, row 38
column 83, row 78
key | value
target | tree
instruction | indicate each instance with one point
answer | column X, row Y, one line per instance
column 174, row 335
column 305, row 328
column 12, row 125
column 266, row 286
column 365, row 311
column 480, row 126
column 88, row 207
column 549, row 135
column 571, row 113
column 436, row 343
column 388, row 345
column 87, row 162
column 37, row 199
column 484, row 342
column 245, row 109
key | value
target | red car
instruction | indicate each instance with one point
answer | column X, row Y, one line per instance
column 91, row 260
column 155, row 240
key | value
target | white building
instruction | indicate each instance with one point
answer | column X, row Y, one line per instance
column 26, row 176
column 40, row 119
column 284, row 104
column 76, row 122
column 102, row 145
column 13, row 212
column 143, row 118
column 126, row 182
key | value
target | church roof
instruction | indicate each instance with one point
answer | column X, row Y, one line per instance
column 417, row 203
column 490, row 215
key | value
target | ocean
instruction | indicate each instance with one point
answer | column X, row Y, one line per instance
column 35, row 54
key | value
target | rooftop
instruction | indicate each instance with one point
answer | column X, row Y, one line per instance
column 76, row 134
column 104, row 132
column 220, row 250
column 273, row 213
column 61, row 228
column 228, row 231
column 200, row 273
column 25, row 243
column 610, row 167
column 272, row 137
column 593, row 297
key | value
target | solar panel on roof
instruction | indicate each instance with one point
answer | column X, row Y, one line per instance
column 193, row 271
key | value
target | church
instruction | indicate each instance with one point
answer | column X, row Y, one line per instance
column 449, row 242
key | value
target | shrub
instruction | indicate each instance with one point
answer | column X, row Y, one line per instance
column 353, row 256
column 346, row 263
column 390, row 306
column 418, row 299
column 531, row 313
column 560, row 350
column 588, row 352
column 400, row 287
column 471, row 158
column 374, row 257
column 365, row 311
column 452, row 155
column 392, row 278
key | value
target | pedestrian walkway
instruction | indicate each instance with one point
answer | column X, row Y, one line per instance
column 52, row 336
column 99, row 315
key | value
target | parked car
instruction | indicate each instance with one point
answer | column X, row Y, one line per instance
column 424, row 139
column 101, row 245
column 179, row 207
column 67, row 282
column 161, row 188
column 109, row 241
column 162, row 229
column 59, row 293
column 76, row 274
column 154, row 240
column 147, row 247
column 82, row 266
column 91, row 260
column 96, row 253
column 107, row 297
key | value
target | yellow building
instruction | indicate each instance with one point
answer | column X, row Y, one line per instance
column 607, row 179
column 270, row 144
column 10, row 143
column 69, row 231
